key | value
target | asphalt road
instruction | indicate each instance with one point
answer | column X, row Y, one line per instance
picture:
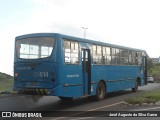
column 111, row 103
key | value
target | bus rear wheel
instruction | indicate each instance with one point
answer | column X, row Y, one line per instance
column 100, row 92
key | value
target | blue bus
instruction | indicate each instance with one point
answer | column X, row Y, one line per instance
column 54, row 64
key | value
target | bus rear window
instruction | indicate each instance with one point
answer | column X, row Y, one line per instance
column 34, row 48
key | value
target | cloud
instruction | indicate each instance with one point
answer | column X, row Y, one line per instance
column 7, row 51
column 123, row 22
column 128, row 23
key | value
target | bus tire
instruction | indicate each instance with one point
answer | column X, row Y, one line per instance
column 66, row 98
column 136, row 87
column 100, row 92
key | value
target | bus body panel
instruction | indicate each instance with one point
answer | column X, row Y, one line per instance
column 70, row 78
column 38, row 76
column 116, row 77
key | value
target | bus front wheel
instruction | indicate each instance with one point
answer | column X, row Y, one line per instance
column 136, row 87
column 100, row 92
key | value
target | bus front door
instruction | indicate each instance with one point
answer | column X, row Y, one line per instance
column 145, row 69
column 86, row 70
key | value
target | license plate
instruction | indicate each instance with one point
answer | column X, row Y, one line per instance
column 33, row 84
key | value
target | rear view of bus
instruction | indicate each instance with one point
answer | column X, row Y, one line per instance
column 34, row 64
column 70, row 67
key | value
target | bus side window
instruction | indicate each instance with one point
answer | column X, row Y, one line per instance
column 124, row 57
column 133, row 57
column 139, row 58
column 67, row 51
column 108, row 52
column 71, row 52
column 106, row 57
column 114, row 60
column 94, row 49
column 118, row 56
column 97, row 54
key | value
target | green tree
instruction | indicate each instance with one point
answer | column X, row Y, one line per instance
column 154, row 70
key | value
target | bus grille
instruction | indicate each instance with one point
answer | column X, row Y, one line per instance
column 33, row 91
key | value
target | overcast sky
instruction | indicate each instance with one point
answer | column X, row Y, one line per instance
column 132, row 23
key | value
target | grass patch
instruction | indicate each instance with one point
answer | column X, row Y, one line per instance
column 151, row 97
column 6, row 85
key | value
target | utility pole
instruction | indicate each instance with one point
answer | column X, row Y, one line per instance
column 84, row 28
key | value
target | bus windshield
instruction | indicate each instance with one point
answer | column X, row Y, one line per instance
column 34, row 48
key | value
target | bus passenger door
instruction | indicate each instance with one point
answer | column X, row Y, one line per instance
column 145, row 69
column 86, row 71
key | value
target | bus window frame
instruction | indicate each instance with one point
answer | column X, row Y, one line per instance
column 118, row 56
column 71, row 41
column 18, row 57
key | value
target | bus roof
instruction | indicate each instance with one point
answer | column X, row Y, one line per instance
column 76, row 39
